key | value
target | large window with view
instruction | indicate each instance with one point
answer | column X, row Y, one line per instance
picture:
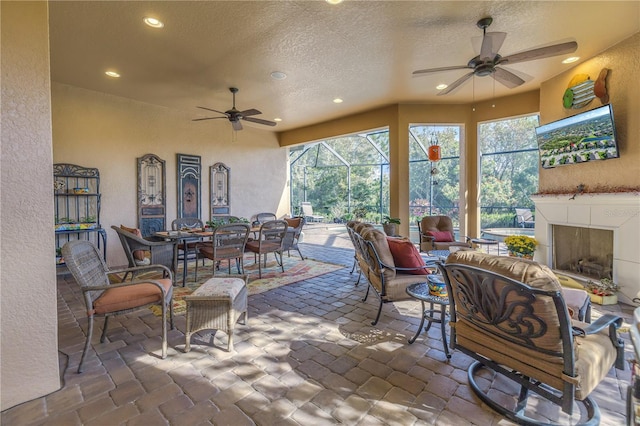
column 434, row 186
column 508, row 169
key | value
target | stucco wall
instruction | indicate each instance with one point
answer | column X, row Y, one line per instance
column 97, row 130
column 28, row 315
column 623, row 83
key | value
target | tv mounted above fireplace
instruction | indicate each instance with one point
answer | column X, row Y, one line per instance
column 582, row 138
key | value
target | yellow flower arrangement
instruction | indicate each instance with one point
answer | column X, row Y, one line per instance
column 521, row 244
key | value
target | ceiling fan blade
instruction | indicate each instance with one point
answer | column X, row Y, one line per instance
column 456, row 84
column 507, row 78
column 236, row 125
column 459, row 67
column 248, row 112
column 541, row 52
column 491, row 43
column 259, row 121
column 207, row 118
column 214, row 110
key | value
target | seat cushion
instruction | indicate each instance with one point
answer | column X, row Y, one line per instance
column 406, row 255
column 441, row 236
column 226, row 287
column 130, row 297
column 293, row 222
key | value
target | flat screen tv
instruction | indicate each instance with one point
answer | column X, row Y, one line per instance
column 582, row 138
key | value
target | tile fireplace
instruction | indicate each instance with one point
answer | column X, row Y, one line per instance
column 591, row 236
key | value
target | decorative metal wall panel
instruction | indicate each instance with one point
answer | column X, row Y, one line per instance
column 188, row 185
column 219, row 187
column 151, row 194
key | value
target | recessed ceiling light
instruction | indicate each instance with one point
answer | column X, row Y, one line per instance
column 278, row 119
column 112, row 74
column 334, row 1
column 442, row 86
column 278, row 75
column 337, row 101
column 153, row 22
column 571, row 60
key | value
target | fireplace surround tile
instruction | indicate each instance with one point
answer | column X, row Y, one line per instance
column 618, row 212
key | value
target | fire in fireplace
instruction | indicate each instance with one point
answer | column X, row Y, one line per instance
column 583, row 251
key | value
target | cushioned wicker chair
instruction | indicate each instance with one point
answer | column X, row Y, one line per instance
column 437, row 233
column 228, row 243
column 270, row 240
column 102, row 298
column 292, row 237
column 510, row 316
column 157, row 251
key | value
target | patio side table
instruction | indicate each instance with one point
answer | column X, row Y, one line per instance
column 421, row 292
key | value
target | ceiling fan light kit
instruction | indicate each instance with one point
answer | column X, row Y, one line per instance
column 234, row 115
column 488, row 61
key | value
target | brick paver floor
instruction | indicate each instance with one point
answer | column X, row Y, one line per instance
column 308, row 356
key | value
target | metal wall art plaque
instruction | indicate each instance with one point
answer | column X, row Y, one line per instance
column 151, row 194
column 188, row 186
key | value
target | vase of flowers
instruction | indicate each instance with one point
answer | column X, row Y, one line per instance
column 521, row 246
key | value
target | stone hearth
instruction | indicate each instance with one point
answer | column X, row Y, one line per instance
column 619, row 213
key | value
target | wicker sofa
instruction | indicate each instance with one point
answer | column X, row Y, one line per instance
column 387, row 276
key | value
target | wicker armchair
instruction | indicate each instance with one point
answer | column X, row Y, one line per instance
column 511, row 317
column 270, row 240
column 102, row 298
column 227, row 243
column 158, row 251
column 292, row 237
column 263, row 217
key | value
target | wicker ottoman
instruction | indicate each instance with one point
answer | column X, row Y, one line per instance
column 216, row 305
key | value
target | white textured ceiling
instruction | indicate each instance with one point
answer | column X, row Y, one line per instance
column 361, row 51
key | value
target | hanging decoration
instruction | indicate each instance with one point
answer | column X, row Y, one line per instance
column 434, row 149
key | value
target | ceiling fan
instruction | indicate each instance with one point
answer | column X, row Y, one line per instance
column 234, row 116
column 486, row 63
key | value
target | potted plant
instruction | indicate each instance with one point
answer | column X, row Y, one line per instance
column 603, row 292
column 521, row 246
column 390, row 225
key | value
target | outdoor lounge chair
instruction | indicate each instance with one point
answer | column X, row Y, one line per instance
column 102, row 298
column 510, row 315
column 437, row 233
column 524, row 218
column 307, row 212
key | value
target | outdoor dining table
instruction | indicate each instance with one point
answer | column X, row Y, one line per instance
column 182, row 237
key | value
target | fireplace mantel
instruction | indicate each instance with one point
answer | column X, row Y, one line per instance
column 619, row 212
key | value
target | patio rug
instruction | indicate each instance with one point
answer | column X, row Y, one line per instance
column 295, row 270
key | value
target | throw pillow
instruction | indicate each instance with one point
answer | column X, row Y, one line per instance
column 138, row 255
column 441, row 236
column 406, row 255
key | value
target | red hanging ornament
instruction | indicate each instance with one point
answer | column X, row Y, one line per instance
column 434, row 153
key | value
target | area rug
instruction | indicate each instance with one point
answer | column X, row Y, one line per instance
column 295, row 270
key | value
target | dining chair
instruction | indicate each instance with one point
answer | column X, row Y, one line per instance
column 104, row 297
column 263, row 217
column 227, row 243
column 292, row 237
column 187, row 224
column 270, row 240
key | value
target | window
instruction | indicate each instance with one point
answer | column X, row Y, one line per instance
column 508, row 169
column 434, row 187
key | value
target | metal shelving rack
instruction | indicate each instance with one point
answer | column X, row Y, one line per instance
column 77, row 207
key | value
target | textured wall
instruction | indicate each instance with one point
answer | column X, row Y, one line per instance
column 28, row 318
column 96, row 130
column 623, row 82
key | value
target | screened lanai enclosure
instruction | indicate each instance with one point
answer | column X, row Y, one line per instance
column 348, row 177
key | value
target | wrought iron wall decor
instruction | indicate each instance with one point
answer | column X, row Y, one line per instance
column 219, row 188
column 152, row 203
column 188, row 185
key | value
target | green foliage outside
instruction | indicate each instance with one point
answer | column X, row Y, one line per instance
column 509, row 167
